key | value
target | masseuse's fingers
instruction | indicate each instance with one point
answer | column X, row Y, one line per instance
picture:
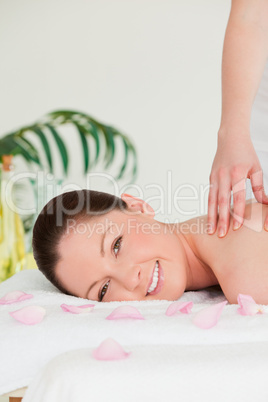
column 258, row 189
column 212, row 208
column 239, row 202
column 257, row 186
column 235, row 160
column 224, row 198
column 266, row 223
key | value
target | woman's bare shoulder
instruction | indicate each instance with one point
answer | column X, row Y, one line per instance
column 241, row 265
column 255, row 214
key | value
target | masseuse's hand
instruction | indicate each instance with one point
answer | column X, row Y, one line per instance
column 234, row 162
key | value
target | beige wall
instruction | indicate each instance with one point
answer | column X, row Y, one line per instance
column 152, row 68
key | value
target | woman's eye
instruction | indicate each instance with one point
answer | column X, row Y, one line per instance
column 104, row 290
column 117, row 245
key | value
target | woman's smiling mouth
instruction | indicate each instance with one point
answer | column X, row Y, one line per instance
column 157, row 280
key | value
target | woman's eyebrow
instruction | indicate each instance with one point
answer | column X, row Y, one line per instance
column 102, row 252
column 102, row 241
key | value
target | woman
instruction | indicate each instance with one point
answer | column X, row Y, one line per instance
column 245, row 54
column 97, row 246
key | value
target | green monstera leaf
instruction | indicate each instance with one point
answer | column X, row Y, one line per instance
column 16, row 143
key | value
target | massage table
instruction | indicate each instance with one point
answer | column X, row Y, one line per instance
column 170, row 357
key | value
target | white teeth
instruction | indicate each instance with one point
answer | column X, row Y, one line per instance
column 155, row 279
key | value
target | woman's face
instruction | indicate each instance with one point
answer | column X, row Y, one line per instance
column 115, row 258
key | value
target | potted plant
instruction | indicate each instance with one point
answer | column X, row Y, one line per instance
column 16, row 143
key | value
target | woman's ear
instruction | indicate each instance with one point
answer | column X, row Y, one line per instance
column 137, row 205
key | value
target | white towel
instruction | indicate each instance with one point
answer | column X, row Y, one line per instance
column 26, row 349
column 157, row 373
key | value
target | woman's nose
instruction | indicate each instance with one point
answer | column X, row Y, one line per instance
column 129, row 276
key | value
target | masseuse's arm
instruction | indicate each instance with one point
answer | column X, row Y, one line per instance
column 245, row 52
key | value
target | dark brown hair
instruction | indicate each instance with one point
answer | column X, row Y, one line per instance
column 51, row 224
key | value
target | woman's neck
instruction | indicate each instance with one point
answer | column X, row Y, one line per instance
column 200, row 274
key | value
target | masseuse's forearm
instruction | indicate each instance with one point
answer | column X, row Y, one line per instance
column 245, row 53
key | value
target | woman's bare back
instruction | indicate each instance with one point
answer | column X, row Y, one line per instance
column 240, row 260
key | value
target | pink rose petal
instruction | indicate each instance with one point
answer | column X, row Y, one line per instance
column 178, row 306
column 109, row 349
column 86, row 308
column 209, row 316
column 125, row 312
column 248, row 306
column 15, row 296
column 29, row 315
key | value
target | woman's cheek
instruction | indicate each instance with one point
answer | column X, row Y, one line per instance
column 140, row 240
